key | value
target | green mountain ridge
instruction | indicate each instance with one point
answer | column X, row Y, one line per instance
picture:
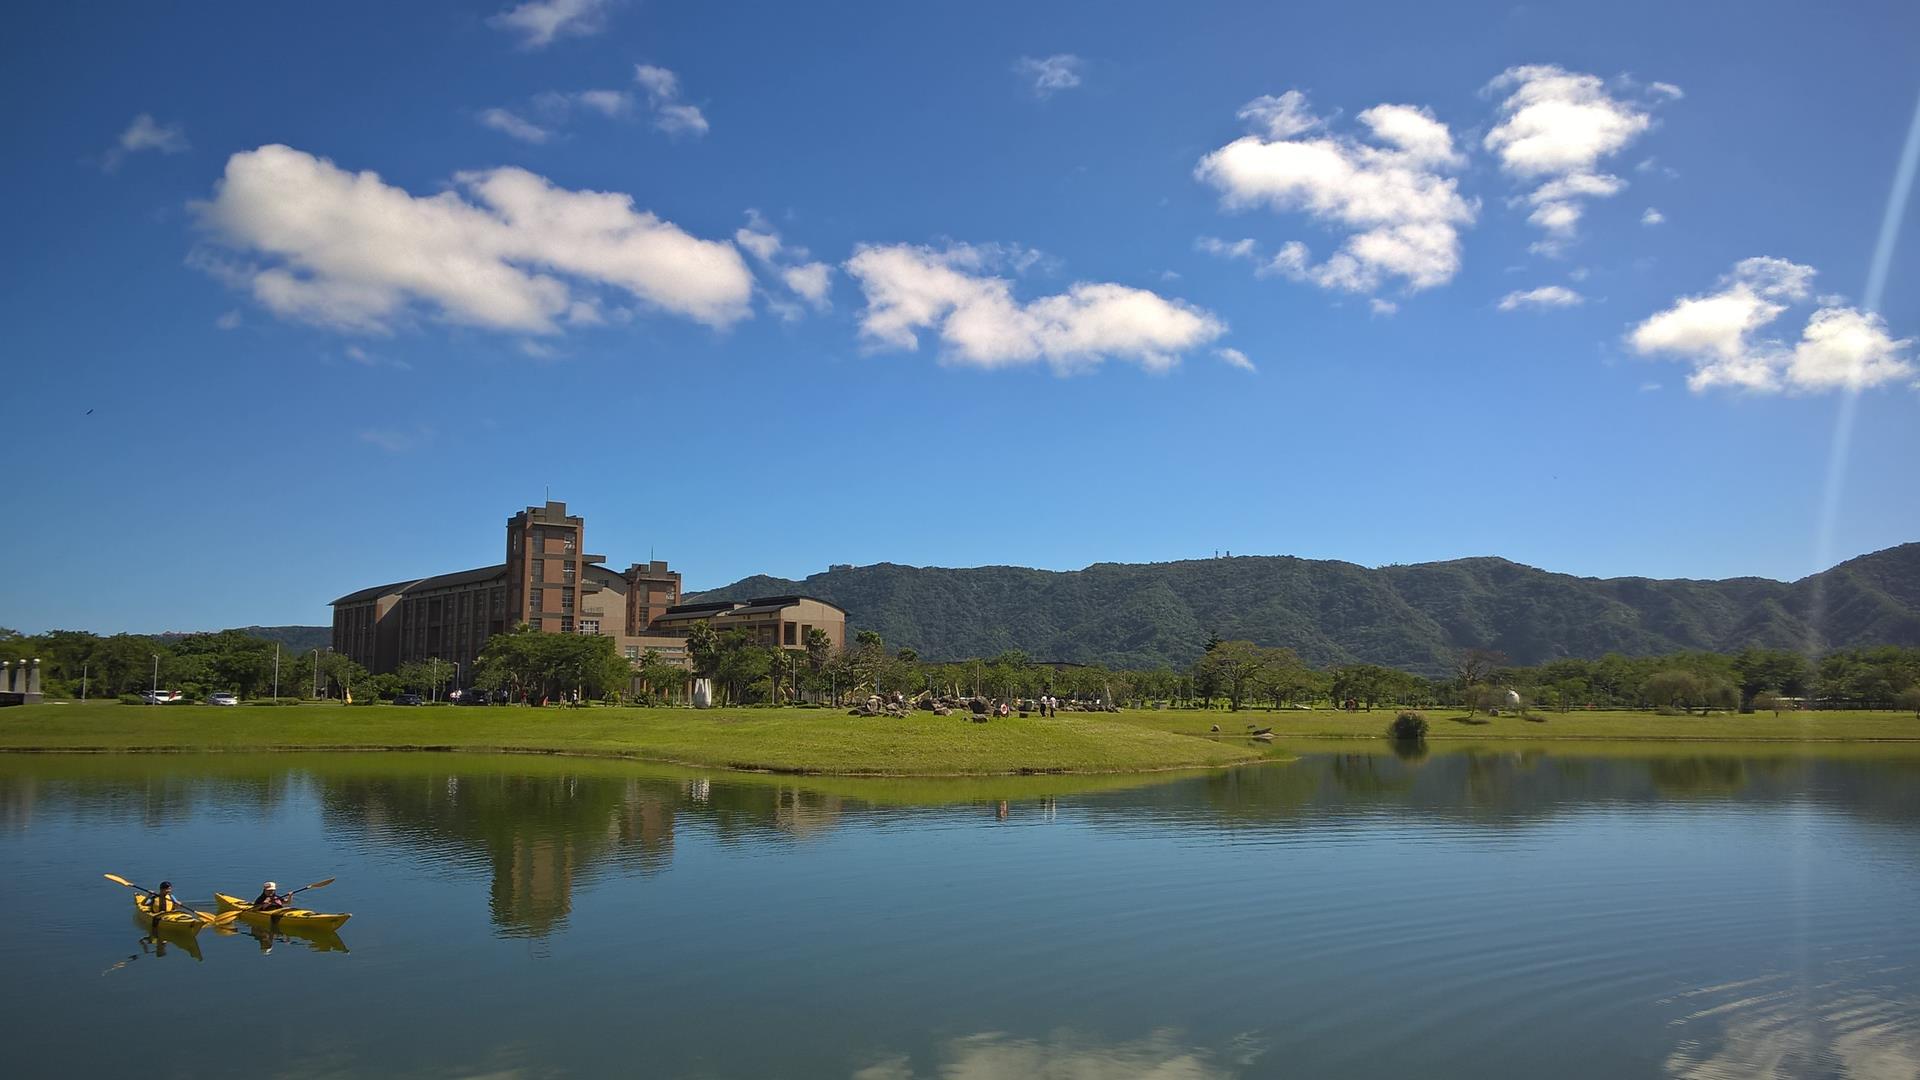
column 294, row 639
column 1415, row 617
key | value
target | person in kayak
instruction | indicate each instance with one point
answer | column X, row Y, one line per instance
column 270, row 898
column 161, row 902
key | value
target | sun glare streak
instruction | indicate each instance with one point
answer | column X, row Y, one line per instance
column 1842, row 446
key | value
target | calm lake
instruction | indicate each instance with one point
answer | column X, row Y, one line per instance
column 1582, row 912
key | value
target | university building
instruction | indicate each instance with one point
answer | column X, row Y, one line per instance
column 550, row 582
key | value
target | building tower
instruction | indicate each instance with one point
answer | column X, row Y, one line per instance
column 545, row 553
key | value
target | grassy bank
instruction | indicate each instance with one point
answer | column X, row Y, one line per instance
column 1454, row 724
column 776, row 740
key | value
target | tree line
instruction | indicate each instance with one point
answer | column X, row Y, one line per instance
column 526, row 665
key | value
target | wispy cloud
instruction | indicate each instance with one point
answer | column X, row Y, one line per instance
column 810, row 281
column 1051, row 74
column 670, row 113
column 1546, row 296
column 1652, row 217
column 143, row 135
column 395, row 441
column 512, row 123
column 541, row 22
column 1235, row 358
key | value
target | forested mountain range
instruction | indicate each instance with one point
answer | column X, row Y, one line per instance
column 1414, row 617
column 295, row 639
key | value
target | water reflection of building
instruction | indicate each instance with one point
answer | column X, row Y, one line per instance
column 544, row 837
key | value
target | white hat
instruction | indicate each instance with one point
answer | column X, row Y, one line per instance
column 269, row 886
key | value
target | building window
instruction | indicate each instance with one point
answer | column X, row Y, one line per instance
column 534, row 604
column 589, row 626
column 787, row 629
column 566, row 626
column 633, row 652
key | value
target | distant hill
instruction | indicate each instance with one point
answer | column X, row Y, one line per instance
column 294, row 639
column 1412, row 617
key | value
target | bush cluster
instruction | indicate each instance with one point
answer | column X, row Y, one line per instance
column 1408, row 726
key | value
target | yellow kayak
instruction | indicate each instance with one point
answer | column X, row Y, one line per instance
column 167, row 920
column 301, row 917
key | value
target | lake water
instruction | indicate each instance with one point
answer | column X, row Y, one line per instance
column 1587, row 912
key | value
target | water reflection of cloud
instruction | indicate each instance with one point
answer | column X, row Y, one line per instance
column 1774, row 1027
column 1065, row 1056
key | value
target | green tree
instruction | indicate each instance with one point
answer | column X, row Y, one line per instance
column 1235, row 667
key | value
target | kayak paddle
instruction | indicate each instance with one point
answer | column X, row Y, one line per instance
column 118, row 880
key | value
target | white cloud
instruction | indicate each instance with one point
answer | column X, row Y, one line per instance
column 1652, row 217
column 670, row 114
column 1235, row 358
column 505, row 250
column 540, row 22
column 1555, row 128
column 142, row 135
column 1845, row 347
column 1052, row 74
column 1546, row 296
column 371, row 360
column 1382, row 307
column 513, row 124
column 1649, row 387
column 229, row 321
column 810, row 281
column 606, row 102
column 978, row 321
column 1402, row 213
column 551, row 110
column 1244, row 248
column 1717, row 334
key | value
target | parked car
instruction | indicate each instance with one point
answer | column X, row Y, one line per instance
column 409, row 699
column 223, row 697
column 161, row 697
column 474, row 697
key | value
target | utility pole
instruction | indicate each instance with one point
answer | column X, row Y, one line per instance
column 156, row 674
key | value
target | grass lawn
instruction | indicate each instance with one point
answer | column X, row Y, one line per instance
column 1453, row 724
column 776, row 740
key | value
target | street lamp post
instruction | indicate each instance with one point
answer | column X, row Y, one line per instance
column 276, row 673
column 433, row 692
column 156, row 675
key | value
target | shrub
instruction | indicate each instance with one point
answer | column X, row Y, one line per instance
column 1908, row 700
column 272, row 701
column 132, row 699
column 1408, row 726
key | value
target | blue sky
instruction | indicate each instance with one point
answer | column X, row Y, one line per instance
column 760, row 288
